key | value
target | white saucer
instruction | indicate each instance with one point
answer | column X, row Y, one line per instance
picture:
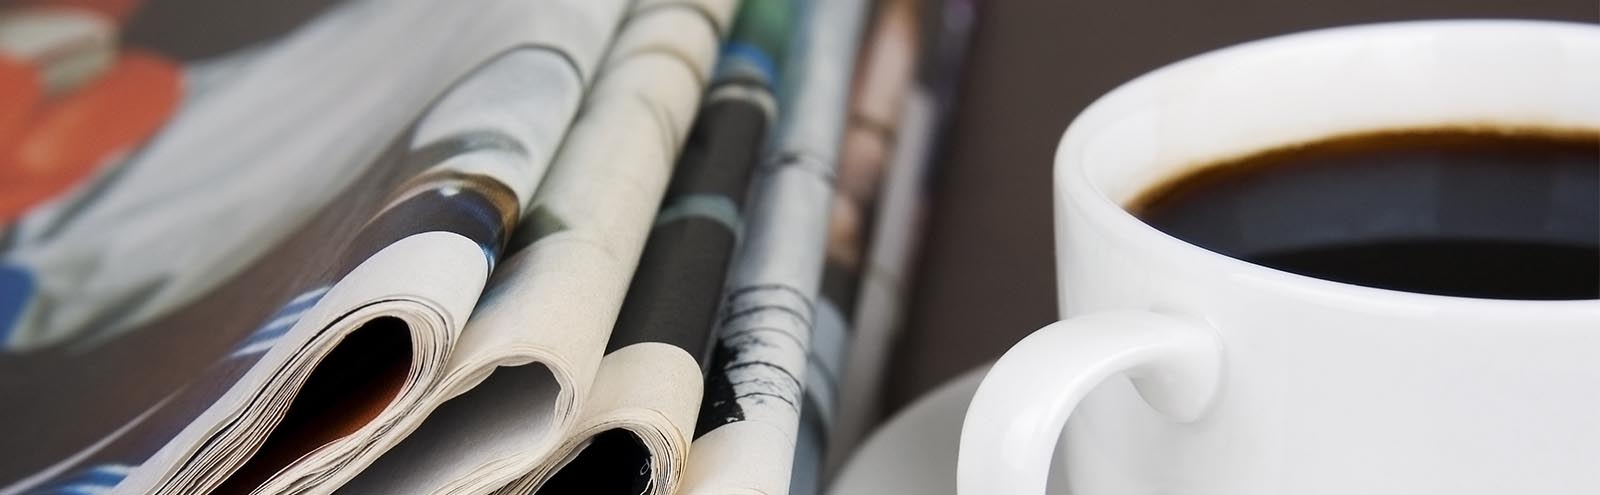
column 914, row 453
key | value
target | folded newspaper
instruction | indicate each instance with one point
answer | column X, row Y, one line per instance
column 410, row 246
column 896, row 227
column 748, row 425
column 549, row 311
column 312, row 329
column 883, row 74
column 633, row 436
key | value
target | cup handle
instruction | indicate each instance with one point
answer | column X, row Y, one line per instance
column 1017, row 415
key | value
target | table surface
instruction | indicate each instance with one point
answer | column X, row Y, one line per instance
column 986, row 273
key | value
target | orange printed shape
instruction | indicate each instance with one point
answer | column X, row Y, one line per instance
column 20, row 90
column 71, row 136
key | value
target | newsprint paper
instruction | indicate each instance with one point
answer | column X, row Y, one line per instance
column 394, row 143
column 745, row 437
column 527, row 362
column 634, row 434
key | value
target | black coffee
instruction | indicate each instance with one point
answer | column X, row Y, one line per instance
column 1459, row 212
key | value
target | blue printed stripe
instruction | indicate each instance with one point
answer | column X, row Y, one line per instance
column 738, row 54
column 101, row 475
column 279, row 323
column 16, row 290
column 93, row 481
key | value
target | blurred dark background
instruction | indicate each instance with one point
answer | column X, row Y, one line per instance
column 987, row 271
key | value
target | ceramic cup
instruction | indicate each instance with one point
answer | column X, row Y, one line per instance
column 1181, row 371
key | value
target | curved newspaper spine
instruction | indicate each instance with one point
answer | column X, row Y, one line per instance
column 551, row 307
column 898, row 224
column 883, row 75
column 750, row 416
column 419, row 265
column 634, row 433
column 216, row 242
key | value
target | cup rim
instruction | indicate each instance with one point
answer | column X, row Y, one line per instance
column 1107, row 217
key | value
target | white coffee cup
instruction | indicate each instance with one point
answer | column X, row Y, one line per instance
column 1184, row 371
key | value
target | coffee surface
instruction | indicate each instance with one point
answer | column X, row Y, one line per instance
column 1488, row 213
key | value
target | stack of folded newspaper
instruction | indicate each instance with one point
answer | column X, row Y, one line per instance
column 486, row 246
